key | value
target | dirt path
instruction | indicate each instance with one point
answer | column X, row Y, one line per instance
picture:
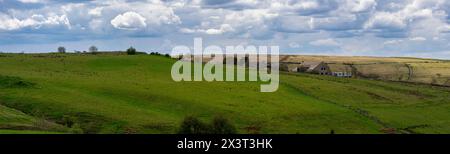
column 410, row 71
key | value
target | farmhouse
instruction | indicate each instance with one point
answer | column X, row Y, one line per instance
column 342, row 74
column 320, row 68
column 340, row 70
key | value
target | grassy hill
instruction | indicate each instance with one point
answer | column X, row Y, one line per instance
column 81, row 93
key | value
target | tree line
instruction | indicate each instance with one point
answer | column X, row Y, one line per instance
column 94, row 50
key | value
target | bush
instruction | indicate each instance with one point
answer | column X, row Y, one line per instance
column 68, row 121
column 131, row 51
column 14, row 82
column 76, row 129
column 219, row 125
column 155, row 53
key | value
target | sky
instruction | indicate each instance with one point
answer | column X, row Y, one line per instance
column 407, row 28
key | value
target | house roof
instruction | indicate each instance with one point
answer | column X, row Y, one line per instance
column 311, row 65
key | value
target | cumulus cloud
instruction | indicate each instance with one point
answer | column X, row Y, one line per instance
column 386, row 20
column 129, row 21
column 411, row 13
column 397, row 24
column 253, row 23
column 36, row 21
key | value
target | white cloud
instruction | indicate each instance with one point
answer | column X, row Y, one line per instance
column 361, row 5
column 296, row 24
column 32, row 1
column 36, row 21
column 187, row 30
column 325, row 42
column 392, row 42
column 417, row 39
column 444, row 29
column 386, row 20
column 97, row 12
column 304, row 7
column 249, row 23
column 288, row 23
column 129, row 21
column 412, row 12
column 223, row 29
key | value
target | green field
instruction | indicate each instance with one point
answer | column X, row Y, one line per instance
column 107, row 93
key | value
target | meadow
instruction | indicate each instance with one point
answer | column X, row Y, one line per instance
column 113, row 93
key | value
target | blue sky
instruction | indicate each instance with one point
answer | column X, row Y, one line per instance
column 415, row 28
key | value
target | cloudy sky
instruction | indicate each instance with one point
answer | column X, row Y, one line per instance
column 419, row 28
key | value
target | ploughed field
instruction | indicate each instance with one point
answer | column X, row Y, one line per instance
column 109, row 93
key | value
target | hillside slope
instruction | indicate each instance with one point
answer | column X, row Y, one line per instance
column 135, row 94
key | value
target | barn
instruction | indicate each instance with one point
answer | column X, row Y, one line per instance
column 320, row 68
column 307, row 67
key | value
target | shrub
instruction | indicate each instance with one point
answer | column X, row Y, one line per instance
column 131, row 51
column 14, row 82
column 221, row 125
column 68, row 121
column 76, row 129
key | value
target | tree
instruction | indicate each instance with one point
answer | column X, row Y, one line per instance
column 93, row 49
column 192, row 125
column 61, row 50
column 131, row 51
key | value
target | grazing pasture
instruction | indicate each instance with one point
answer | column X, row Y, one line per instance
column 108, row 93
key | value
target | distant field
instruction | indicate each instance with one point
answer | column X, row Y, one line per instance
column 430, row 71
column 82, row 93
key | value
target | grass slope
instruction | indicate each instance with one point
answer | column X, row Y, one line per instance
column 135, row 94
